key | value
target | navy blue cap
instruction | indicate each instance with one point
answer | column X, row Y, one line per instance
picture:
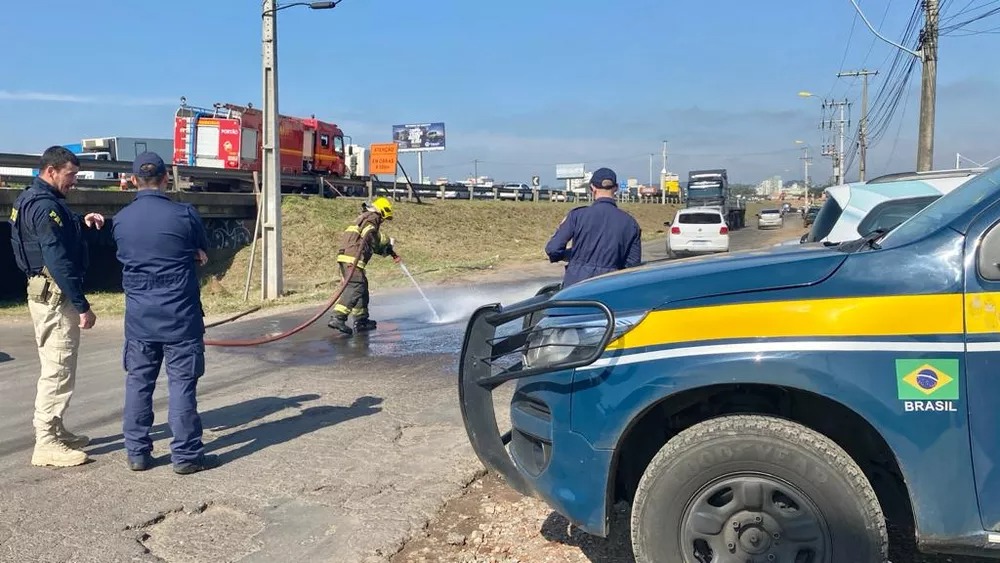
column 605, row 179
column 159, row 168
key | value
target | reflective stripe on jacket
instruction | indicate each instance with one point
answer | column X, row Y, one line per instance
column 364, row 235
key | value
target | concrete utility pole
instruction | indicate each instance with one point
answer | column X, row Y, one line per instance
column 863, row 124
column 806, row 160
column 928, row 86
column 928, row 78
column 836, row 151
column 664, row 170
column 271, row 270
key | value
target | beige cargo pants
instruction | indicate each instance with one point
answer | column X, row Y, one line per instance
column 57, row 334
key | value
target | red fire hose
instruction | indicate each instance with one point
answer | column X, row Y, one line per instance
column 268, row 339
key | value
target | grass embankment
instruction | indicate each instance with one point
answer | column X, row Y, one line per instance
column 438, row 240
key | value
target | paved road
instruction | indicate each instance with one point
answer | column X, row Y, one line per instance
column 333, row 448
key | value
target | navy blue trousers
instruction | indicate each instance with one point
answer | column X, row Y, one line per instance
column 185, row 365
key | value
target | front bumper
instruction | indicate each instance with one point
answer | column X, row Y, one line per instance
column 486, row 363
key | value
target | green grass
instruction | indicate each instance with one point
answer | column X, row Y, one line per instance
column 438, row 240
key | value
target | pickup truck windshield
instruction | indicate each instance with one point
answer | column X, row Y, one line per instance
column 937, row 215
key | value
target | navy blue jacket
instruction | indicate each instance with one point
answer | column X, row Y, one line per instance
column 604, row 237
column 158, row 240
column 46, row 232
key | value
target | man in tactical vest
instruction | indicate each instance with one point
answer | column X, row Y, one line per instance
column 364, row 236
column 49, row 247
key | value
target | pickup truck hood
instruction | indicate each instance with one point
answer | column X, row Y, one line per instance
column 650, row 286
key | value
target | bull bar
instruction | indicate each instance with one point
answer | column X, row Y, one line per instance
column 482, row 350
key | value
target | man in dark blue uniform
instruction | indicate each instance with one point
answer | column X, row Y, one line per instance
column 50, row 249
column 604, row 237
column 159, row 243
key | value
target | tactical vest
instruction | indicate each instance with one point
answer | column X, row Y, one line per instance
column 27, row 250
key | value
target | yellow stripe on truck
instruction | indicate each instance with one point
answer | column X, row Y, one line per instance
column 895, row 315
column 981, row 313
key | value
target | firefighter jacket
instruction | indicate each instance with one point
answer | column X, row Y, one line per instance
column 48, row 239
column 364, row 235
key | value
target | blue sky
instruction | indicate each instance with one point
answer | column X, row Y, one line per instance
column 521, row 84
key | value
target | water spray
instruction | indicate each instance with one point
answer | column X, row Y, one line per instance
column 437, row 318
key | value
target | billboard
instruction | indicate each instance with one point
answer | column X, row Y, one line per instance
column 419, row 137
column 569, row 171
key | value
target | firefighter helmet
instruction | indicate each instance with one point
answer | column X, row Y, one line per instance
column 383, row 206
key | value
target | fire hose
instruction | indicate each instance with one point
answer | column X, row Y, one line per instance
column 268, row 339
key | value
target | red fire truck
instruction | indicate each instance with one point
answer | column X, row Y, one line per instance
column 229, row 136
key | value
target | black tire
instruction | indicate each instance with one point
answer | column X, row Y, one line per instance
column 708, row 469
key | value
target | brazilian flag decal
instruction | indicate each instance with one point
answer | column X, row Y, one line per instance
column 924, row 380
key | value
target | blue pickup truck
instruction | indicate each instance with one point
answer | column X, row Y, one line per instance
column 783, row 405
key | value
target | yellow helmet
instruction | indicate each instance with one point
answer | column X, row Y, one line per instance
column 383, row 206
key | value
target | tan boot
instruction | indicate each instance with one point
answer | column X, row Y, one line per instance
column 75, row 441
column 56, row 453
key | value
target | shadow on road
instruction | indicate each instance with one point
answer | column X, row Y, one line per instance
column 256, row 438
column 616, row 548
column 222, row 418
column 5, row 357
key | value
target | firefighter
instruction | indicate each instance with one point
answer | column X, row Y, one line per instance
column 605, row 238
column 366, row 236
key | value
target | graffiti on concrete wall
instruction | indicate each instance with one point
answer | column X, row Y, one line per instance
column 229, row 233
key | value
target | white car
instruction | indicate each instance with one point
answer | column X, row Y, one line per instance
column 854, row 210
column 697, row 230
column 770, row 218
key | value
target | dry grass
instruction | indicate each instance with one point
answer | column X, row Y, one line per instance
column 438, row 240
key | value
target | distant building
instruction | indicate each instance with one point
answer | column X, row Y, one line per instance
column 770, row 187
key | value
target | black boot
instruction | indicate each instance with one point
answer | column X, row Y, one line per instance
column 364, row 325
column 340, row 324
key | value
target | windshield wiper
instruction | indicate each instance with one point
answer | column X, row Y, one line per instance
column 868, row 241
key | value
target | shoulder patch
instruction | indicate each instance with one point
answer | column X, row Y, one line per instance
column 55, row 217
column 13, row 215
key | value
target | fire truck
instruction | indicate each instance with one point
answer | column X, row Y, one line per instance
column 229, row 137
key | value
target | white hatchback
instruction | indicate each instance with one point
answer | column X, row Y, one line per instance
column 697, row 230
column 770, row 218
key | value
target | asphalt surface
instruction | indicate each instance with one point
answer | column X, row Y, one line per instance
column 332, row 448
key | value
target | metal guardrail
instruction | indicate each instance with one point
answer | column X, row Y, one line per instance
column 352, row 184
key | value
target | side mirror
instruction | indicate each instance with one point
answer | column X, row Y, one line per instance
column 666, row 223
column 804, row 238
column 350, row 151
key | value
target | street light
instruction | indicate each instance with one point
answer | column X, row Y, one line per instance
column 271, row 267
column 313, row 5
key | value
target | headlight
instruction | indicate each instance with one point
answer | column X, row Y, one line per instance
column 562, row 339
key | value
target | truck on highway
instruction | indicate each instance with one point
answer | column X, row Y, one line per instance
column 123, row 149
column 710, row 188
column 230, row 137
column 672, row 188
column 785, row 404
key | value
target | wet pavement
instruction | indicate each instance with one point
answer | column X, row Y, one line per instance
column 407, row 326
